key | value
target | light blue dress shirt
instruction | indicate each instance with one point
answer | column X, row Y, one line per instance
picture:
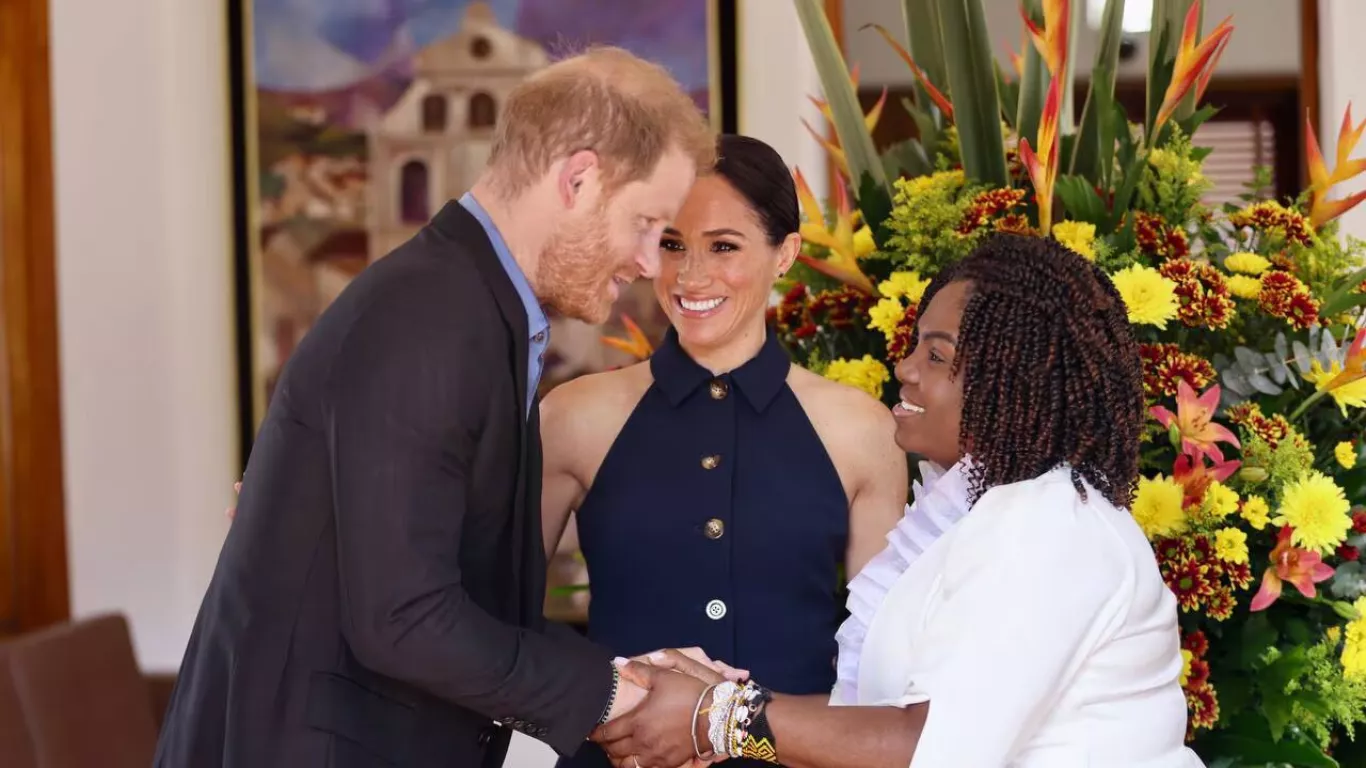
column 538, row 326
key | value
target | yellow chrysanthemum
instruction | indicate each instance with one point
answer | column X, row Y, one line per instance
column 1352, row 394
column 885, row 315
column 1157, row 506
column 904, row 285
column 1256, row 512
column 1346, row 454
column 863, row 242
column 1318, row 510
column 1220, row 501
column 1149, row 297
column 1244, row 287
column 1247, row 263
column 1186, row 658
column 1354, row 645
column 867, row 373
column 1230, row 545
column 1079, row 236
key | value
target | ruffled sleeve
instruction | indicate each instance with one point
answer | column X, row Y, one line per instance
column 940, row 501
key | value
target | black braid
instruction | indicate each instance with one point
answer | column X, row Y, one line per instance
column 1051, row 368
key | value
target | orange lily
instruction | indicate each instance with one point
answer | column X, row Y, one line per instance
column 1194, row 421
column 939, row 99
column 1321, row 209
column 1043, row 171
column 843, row 241
column 635, row 344
column 1194, row 63
column 1195, row 476
column 832, row 145
column 1300, row 567
column 1052, row 39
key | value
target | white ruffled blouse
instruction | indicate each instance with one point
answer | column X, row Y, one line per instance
column 940, row 500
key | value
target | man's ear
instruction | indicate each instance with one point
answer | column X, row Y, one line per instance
column 578, row 168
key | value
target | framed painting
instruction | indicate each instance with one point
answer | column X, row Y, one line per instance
column 330, row 97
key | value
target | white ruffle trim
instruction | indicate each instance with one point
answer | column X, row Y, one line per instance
column 940, row 500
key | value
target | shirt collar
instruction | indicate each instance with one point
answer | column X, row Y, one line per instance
column 536, row 319
column 760, row 379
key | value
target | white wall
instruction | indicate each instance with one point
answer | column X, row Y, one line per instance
column 1342, row 60
column 145, row 314
column 1265, row 38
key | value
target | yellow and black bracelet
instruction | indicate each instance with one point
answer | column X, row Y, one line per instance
column 754, row 738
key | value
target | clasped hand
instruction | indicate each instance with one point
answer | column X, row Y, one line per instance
column 662, row 730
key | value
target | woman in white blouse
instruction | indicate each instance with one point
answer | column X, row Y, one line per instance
column 1017, row 617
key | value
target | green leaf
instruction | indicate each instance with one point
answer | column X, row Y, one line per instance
column 1258, row 635
column 1009, row 94
column 1278, row 710
column 976, row 105
column 875, row 205
column 1080, row 200
column 907, row 158
column 1257, row 752
column 845, row 110
column 1342, row 299
column 1067, row 114
column 1033, row 85
column 1092, row 143
column 925, row 125
column 927, row 46
column 1126, row 188
column 1162, row 46
column 1196, row 119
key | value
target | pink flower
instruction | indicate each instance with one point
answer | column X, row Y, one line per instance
column 1194, row 420
column 1289, row 563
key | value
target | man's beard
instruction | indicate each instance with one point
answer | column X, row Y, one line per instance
column 575, row 270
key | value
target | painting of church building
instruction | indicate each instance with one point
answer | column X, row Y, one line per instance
column 357, row 120
column 432, row 144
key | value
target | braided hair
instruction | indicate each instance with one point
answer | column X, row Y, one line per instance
column 1052, row 374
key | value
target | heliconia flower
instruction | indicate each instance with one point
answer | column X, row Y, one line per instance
column 1052, row 39
column 1043, row 171
column 842, row 240
column 1194, row 62
column 1321, row 209
column 832, row 145
column 635, row 344
column 1194, row 421
column 1300, row 567
column 939, row 99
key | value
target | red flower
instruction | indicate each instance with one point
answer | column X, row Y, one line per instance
column 1359, row 521
column 1196, row 643
column 1271, row 430
column 900, row 344
column 1301, row 567
column 1189, row 583
column 1157, row 239
column 1202, row 291
column 1165, row 365
column 1202, row 705
column 1349, row 553
column 988, row 205
column 1284, row 296
column 1219, row 606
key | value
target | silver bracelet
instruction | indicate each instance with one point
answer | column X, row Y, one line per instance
column 720, row 717
column 697, row 750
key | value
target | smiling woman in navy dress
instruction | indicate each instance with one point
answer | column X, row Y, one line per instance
column 718, row 488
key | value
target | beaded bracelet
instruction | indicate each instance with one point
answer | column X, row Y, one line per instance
column 747, row 733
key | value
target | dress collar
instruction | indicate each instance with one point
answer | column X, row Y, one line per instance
column 760, row 378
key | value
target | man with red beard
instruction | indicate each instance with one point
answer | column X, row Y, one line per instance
column 378, row 599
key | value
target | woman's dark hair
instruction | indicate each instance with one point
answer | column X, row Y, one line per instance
column 759, row 174
column 1051, row 369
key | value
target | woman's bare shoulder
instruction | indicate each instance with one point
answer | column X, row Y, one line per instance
column 591, row 404
column 846, row 408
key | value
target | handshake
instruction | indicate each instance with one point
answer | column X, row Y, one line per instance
column 673, row 708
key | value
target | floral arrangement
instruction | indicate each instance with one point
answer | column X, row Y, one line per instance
column 1249, row 316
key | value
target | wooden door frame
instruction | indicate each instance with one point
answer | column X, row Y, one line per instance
column 32, row 507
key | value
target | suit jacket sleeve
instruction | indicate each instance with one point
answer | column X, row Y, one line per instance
column 406, row 402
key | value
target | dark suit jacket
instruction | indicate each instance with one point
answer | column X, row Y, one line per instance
column 378, row 599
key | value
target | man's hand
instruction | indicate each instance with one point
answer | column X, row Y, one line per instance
column 629, row 696
column 695, row 662
column 231, row 512
column 660, row 731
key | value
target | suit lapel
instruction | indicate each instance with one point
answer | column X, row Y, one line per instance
column 460, row 225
